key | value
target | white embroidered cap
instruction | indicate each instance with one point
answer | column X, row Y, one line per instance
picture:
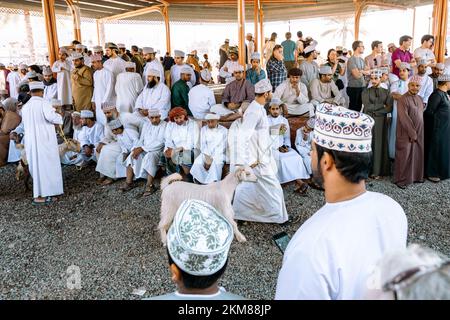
column 341, row 129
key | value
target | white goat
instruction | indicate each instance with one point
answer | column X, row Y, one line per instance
column 218, row 194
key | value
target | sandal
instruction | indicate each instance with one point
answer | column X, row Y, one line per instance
column 126, row 187
column 149, row 190
column 47, row 201
column 302, row 189
column 434, row 179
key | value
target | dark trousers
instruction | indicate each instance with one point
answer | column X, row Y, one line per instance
column 354, row 94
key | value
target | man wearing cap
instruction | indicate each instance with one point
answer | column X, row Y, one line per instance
column 324, row 89
column 303, row 141
column 250, row 47
column 152, row 63
column 115, row 64
column 290, row 164
column 294, row 95
column 81, row 49
column 402, row 54
column 425, row 52
column 254, row 74
column 356, row 72
column 192, row 61
column 391, row 48
column 437, row 131
column 195, row 266
column 262, row 201
column 377, row 103
column 128, row 87
column 399, row 86
column 9, row 120
column 92, row 133
column 99, row 50
column 333, row 253
column 231, row 65
column 175, row 71
column 155, row 96
column 289, row 52
column 103, row 88
column 181, row 143
column 236, row 94
column 207, row 167
column 180, row 90
column 109, row 150
column 137, row 59
column 426, row 86
column 143, row 162
column 201, row 98
column 82, row 83
column 409, row 146
column 437, row 70
column 39, row 119
column 22, row 71
column 13, row 80
column 309, row 67
column 123, row 52
column 126, row 137
column 223, row 53
column 63, row 68
column 51, row 86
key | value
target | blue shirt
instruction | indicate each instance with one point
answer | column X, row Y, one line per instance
column 253, row 77
column 288, row 50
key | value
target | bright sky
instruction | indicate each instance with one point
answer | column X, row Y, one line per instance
column 207, row 38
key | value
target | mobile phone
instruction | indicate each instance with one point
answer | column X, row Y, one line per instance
column 281, row 240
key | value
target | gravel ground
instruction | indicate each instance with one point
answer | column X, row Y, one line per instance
column 111, row 237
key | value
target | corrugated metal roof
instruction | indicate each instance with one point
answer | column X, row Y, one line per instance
column 210, row 10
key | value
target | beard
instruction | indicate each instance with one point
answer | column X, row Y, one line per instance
column 151, row 84
column 318, row 177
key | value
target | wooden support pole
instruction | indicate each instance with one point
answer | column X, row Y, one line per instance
column 241, row 31
column 255, row 22
column 262, row 42
column 413, row 27
column 359, row 7
column 75, row 11
column 48, row 9
column 440, row 28
column 165, row 13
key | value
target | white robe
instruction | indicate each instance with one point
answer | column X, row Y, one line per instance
column 115, row 65
column 175, row 74
column 14, row 153
column 63, row 81
column 231, row 67
column 51, row 92
column 157, row 97
column 426, row 88
column 401, row 87
column 201, row 99
column 304, row 148
column 128, row 87
column 39, row 119
column 103, row 92
column 213, row 142
column 126, row 140
column 154, row 64
column 262, row 201
column 14, row 79
column 290, row 164
column 186, row 136
column 152, row 142
column 106, row 160
column 296, row 105
column 333, row 253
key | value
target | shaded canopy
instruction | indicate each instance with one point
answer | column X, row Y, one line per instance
column 211, row 10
